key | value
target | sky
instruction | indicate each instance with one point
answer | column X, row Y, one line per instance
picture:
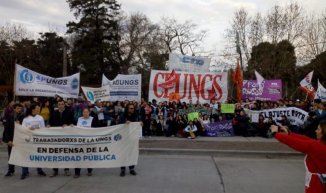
column 212, row 15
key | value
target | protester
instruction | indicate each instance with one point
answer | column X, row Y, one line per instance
column 98, row 112
column 315, row 154
column 191, row 130
column 129, row 116
column 242, row 124
column 261, row 126
column 8, row 134
column 180, row 125
column 61, row 117
column 45, row 111
column 87, row 122
column 33, row 121
column 146, row 112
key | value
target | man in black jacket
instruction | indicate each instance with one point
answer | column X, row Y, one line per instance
column 8, row 133
column 129, row 116
column 60, row 118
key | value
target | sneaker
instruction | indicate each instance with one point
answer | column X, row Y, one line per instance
column 133, row 172
column 8, row 174
column 122, row 174
column 54, row 174
column 67, row 173
column 76, row 175
column 41, row 173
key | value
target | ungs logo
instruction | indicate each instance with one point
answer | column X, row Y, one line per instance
column 90, row 95
column 74, row 83
column 117, row 137
column 26, row 77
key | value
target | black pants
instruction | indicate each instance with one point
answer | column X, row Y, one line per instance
column 11, row 168
column 77, row 170
column 130, row 168
column 147, row 128
column 57, row 170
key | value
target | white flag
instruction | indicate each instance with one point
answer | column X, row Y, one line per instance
column 307, row 79
column 306, row 84
column 321, row 92
column 260, row 80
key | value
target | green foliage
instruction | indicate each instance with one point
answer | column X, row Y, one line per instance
column 97, row 34
column 50, row 47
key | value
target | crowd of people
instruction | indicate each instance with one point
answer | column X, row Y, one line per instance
column 158, row 119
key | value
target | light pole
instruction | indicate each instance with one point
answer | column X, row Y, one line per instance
column 64, row 65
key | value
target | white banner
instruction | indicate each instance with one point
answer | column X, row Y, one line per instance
column 295, row 115
column 123, row 87
column 201, row 87
column 185, row 63
column 94, row 94
column 30, row 83
column 76, row 147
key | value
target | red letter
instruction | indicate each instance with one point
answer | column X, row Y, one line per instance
column 155, row 85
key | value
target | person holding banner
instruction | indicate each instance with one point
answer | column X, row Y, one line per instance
column 8, row 133
column 86, row 121
column 130, row 115
column 61, row 117
column 315, row 151
column 33, row 121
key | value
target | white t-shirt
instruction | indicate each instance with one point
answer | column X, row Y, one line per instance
column 82, row 122
column 35, row 122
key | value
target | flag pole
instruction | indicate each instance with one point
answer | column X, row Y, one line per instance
column 14, row 87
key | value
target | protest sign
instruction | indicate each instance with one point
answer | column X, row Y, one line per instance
column 76, row 147
column 219, row 129
column 227, row 108
column 295, row 115
column 95, row 94
column 179, row 62
column 270, row 90
column 31, row 83
column 201, row 87
column 192, row 116
column 123, row 87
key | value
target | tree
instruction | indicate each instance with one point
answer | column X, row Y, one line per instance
column 274, row 62
column 250, row 33
column 257, row 30
column 136, row 32
column 275, row 24
column 97, row 35
column 50, row 48
column 314, row 37
column 183, row 38
column 13, row 32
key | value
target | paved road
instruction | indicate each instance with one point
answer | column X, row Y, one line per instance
column 173, row 173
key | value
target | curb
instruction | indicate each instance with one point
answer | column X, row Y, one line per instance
column 213, row 153
column 221, row 153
